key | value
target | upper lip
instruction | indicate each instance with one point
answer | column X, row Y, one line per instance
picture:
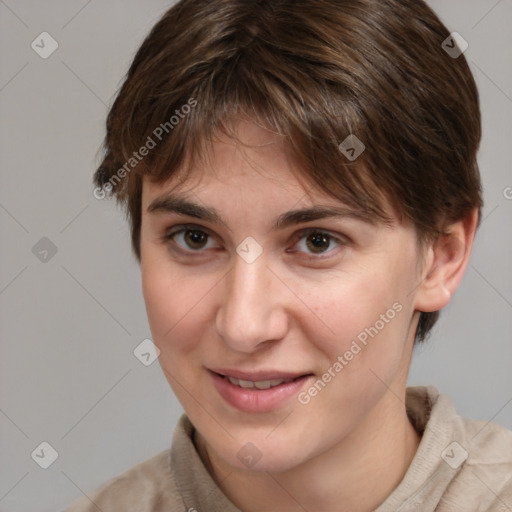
column 258, row 375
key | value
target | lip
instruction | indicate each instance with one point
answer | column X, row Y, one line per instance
column 260, row 375
column 257, row 400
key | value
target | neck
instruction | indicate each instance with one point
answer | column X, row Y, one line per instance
column 356, row 474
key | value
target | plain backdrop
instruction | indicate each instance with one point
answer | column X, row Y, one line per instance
column 71, row 306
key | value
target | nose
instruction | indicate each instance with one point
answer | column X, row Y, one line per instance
column 252, row 311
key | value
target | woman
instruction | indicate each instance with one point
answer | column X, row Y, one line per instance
column 301, row 182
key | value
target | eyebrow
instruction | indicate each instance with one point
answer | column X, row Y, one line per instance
column 171, row 203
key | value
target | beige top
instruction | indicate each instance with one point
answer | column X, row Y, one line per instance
column 461, row 466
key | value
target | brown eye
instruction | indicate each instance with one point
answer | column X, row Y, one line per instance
column 318, row 242
column 195, row 239
column 189, row 238
column 314, row 242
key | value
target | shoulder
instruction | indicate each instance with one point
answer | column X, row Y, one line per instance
column 477, row 459
column 148, row 486
column 461, row 464
column 483, row 462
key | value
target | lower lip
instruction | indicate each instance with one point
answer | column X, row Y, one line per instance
column 257, row 400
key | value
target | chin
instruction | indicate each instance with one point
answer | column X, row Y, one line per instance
column 262, row 457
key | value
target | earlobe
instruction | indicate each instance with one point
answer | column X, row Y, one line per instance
column 447, row 259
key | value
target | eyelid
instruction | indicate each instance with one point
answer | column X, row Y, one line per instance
column 310, row 231
column 184, row 227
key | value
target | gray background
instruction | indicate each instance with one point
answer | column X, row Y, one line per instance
column 69, row 325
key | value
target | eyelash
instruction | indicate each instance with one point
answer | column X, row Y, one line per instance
column 304, row 233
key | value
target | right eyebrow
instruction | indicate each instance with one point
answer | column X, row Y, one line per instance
column 169, row 203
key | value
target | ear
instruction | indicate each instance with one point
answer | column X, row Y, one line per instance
column 446, row 260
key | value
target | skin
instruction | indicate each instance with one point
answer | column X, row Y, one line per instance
column 292, row 309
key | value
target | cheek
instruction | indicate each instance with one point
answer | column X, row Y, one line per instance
column 361, row 318
column 175, row 306
column 363, row 355
column 160, row 298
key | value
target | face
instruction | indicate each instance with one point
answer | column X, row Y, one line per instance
column 320, row 308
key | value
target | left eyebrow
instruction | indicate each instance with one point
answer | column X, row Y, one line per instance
column 303, row 215
column 171, row 203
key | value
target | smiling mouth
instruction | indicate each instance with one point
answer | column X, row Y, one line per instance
column 258, row 391
column 260, row 384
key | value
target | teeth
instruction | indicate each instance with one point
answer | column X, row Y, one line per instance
column 261, row 384
column 264, row 384
column 245, row 383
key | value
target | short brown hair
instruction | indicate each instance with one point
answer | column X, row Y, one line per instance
column 315, row 71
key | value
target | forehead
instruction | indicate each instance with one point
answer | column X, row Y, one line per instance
column 251, row 167
column 255, row 158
